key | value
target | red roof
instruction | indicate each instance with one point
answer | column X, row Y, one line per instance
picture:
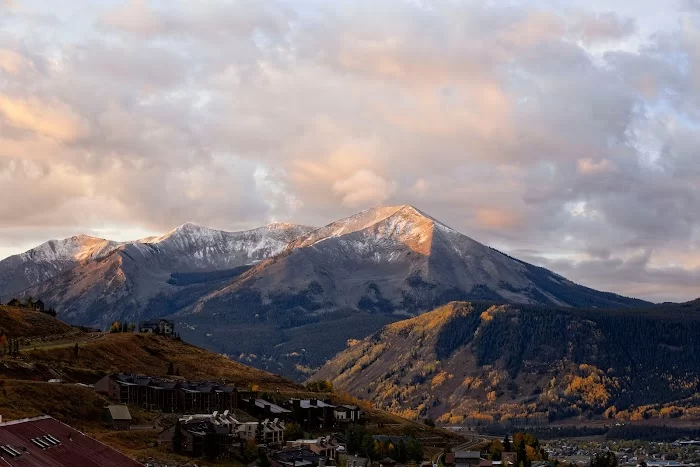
column 58, row 449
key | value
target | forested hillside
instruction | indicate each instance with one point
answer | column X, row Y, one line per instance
column 521, row 363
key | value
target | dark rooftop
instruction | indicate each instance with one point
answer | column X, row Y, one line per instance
column 46, row 442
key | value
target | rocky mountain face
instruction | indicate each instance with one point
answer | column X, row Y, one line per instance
column 397, row 259
column 525, row 364
column 284, row 297
column 135, row 277
column 48, row 260
column 348, row 279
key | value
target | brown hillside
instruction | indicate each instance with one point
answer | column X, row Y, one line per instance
column 148, row 354
column 21, row 322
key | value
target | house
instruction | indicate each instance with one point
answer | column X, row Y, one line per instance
column 272, row 431
column 220, row 432
column 164, row 327
column 121, row 388
column 326, row 447
column 119, row 417
column 467, row 458
column 449, row 458
column 347, row 413
column 170, row 396
column 46, row 442
column 313, row 414
column 260, row 408
column 14, row 302
column 297, row 457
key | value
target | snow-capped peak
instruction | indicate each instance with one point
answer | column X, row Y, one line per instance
column 76, row 248
column 403, row 223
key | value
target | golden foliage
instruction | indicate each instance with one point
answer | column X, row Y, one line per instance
column 440, row 379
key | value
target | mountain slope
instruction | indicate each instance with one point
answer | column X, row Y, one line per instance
column 346, row 280
column 48, row 260
column 399, row 259
column 138, row 279
column 524, row 363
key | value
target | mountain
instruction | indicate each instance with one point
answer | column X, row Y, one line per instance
column 48, row 260
column 291, row 295
column 133, row 277
column 348, row 279
column 526, row 363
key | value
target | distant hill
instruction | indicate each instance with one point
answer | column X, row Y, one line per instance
column 483, row 363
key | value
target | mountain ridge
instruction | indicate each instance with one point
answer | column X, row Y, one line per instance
column 288, row 284
column 485, row 363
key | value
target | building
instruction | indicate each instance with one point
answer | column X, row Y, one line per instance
column 261, row 409
column 313, row 414
column 164, row 327
column 272, row 431
column 46, row 442
column 297, row 457
column 171, row 396
column 119, row 417
column 326, row 447
column 467, row 458
column 220, row 432
column 347, row 413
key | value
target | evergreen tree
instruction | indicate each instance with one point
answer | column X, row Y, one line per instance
column 506, row 444
column 262, row 461
column 177, row 438
column 76, row 349
column 607, row 459
column 367, row 447
column 402, row 452
column 171, row 369
column 260, row 433
column 415, row 450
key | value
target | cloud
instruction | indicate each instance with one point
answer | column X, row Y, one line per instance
column 588, row 166
column 603, row 27
column 364, row 188
column 50, row 119
column 568, row 134
column 11, row 62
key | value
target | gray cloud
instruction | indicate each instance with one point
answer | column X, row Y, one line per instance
column 569, row 136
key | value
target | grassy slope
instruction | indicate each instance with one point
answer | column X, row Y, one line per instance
column 20, row 322
column 150, row 355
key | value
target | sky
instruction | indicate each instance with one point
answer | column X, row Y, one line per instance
column 562, row 132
